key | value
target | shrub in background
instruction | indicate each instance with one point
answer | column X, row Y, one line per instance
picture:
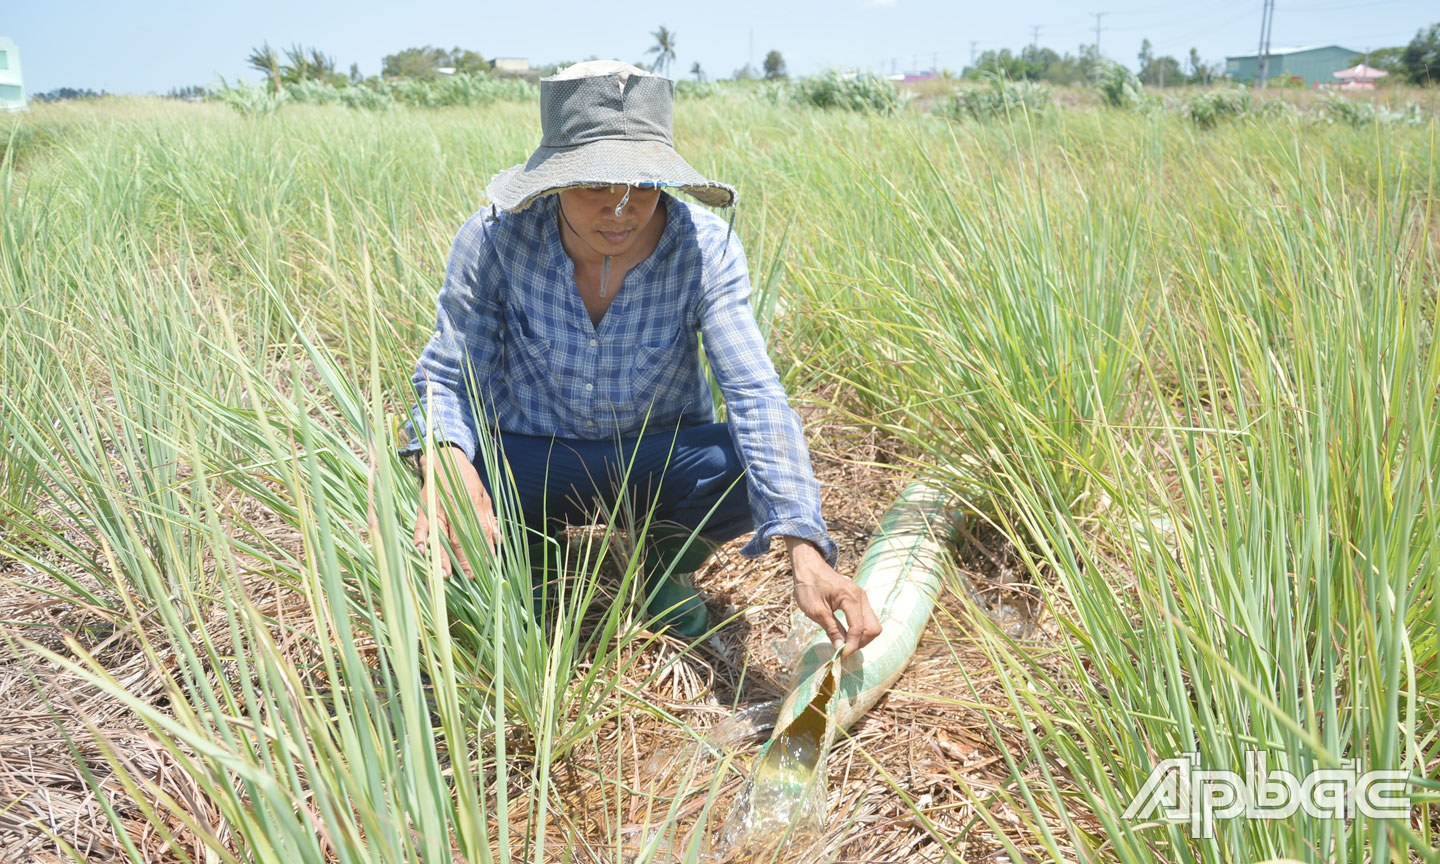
column 310, row 92
column 362, row 96
column 1118, row 86
column 999, row 97
column 1335, row 108
column 1211, row 106
column 462, row 88
column 249, row 98
column 687, row 89
column 868, row 93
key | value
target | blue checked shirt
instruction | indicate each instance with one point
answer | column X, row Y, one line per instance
column 509, row 304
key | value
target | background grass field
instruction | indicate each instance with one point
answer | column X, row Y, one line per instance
column 1184, row 379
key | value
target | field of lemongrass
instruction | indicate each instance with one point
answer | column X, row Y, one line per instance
column 1184, row 380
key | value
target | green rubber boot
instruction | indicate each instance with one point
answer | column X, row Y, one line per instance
column 669, row 561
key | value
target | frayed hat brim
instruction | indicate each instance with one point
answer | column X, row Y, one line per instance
column 619, row 162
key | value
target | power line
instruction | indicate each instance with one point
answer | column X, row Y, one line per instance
column 1189, row 17
column 1389, row 38
column 1190, row 38
column 1349, row 6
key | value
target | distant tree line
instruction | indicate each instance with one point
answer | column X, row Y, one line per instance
column 1166, row 71
column 1416, row 63
column 193, row 93
column 1034, row 63
column 300, row 64
column 426, row 63
column 63, row 93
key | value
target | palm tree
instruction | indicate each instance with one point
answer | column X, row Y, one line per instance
column 298, row 69
column 663, row 49
column 697, row 72
column 322, row 64
column 266, row 60
column 307, row 64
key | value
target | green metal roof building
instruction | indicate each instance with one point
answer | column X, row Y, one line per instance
column 12, row 86
column 1316, row 64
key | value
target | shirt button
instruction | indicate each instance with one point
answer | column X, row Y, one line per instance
column 592, row 343
column 589, row 386
column 590, row 423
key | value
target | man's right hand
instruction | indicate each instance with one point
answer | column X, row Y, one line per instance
column 451, row 458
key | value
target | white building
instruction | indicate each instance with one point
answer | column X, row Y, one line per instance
column 12, row 86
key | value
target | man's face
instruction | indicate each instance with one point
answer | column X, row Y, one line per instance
column 590, row 211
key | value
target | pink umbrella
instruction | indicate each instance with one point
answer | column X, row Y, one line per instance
column 1361, row 73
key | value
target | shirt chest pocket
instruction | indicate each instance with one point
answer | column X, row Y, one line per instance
column 660, row 374
column 527, row 359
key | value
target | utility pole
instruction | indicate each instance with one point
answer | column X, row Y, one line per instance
column 1098, row 28
column 973, row 43
column 1035, row 39
column 1262, row 57
column 935, row 62
column 751, row 61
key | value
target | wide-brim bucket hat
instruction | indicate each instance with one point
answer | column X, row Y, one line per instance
column 604, row 123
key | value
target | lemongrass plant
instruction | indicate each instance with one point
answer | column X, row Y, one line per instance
column 1226, row 498
column 176, row 393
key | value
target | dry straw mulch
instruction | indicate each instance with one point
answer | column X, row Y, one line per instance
column 51, row 763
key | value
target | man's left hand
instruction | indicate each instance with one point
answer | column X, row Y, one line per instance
column 820, row 591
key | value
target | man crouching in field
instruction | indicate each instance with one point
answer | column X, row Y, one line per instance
column 577, row 299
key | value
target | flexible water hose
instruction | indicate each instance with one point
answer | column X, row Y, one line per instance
column 901, row 573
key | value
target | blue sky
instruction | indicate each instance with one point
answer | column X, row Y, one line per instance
column 154, row 46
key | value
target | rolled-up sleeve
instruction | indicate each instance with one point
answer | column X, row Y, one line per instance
column 783, row 493
column 465, row 345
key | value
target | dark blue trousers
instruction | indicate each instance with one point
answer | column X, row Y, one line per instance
column 685, row 473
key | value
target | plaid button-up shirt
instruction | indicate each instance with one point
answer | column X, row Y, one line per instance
column 510, row 305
